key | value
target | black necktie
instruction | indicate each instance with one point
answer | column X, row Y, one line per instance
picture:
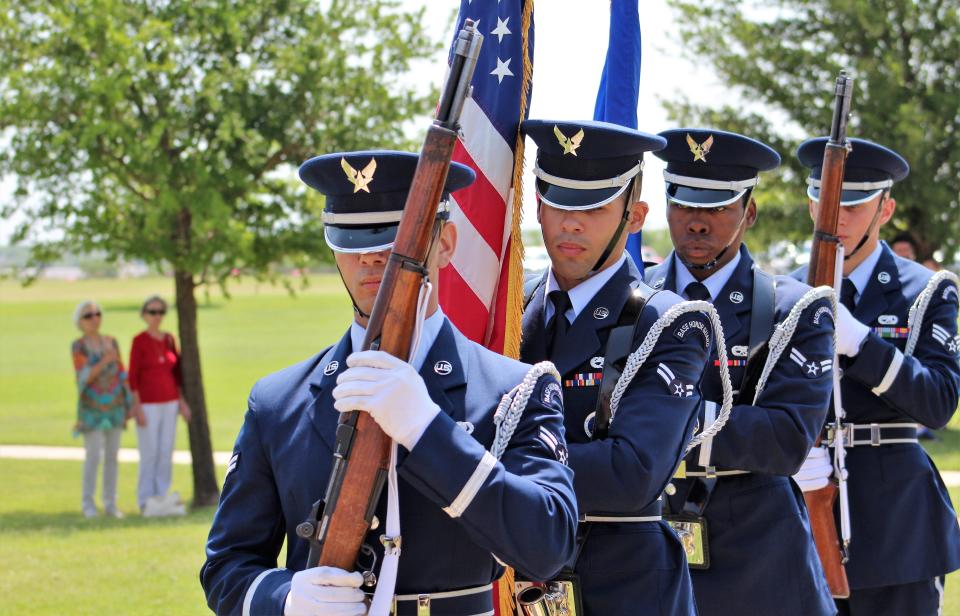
column 697, row 290
column 848, row 292
column 558, row 325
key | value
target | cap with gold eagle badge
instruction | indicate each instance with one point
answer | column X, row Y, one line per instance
column 365, row 195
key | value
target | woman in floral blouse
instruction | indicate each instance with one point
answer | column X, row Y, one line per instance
column 102, row 406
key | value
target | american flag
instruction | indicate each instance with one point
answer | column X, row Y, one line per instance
column 481, row 289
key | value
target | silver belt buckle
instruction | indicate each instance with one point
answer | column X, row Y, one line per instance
column 423, row 605
column 874, row 435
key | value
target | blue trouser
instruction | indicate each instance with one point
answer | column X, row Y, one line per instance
column 915, row 599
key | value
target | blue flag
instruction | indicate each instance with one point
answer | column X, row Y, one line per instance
column 619, row 91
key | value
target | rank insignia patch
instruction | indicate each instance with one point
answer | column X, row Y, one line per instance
column 232, row 464
column 891, row 332
column 810, row 368
column 941, row 335
column 584, row 379
column 675, row 386
column 554, row 444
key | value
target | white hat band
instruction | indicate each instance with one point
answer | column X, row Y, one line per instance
column 815, row 183
column 690, row 182
column 615, row 182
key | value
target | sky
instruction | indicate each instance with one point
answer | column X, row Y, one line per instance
column 570, row 46
column 569, row 51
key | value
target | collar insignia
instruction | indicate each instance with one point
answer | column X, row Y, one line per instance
column 700, row 150
column 359, row 179
column 569, row 145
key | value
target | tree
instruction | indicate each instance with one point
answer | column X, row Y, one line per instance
column 167, row 131
column 785, row 56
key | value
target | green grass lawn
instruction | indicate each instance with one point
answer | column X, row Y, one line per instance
column 260, row 330
column 52, row 560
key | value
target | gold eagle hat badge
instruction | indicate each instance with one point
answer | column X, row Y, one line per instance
column 700, row 150
column 569, row 145
column 359, row 179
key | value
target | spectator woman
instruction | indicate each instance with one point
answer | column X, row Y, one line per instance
column 158, row 398
column 101, row 407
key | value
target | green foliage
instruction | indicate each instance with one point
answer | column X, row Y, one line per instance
column 169, row 130
column 785, row 56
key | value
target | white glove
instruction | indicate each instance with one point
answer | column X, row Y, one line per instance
column 391, row 391
column 325, row 591
column 850, row 333
column 816, row 470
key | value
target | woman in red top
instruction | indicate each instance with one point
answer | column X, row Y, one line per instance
column 155, row 380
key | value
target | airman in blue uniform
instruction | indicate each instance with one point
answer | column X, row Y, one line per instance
column 762, row 559
column 588, row 186
column 463, row 510
column 904, row 535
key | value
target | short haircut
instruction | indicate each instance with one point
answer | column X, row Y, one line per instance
column 81, row 308
column 150, row 300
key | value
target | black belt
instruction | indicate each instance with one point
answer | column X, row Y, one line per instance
column 872, row 434
column 650, row 513
column 477, row 601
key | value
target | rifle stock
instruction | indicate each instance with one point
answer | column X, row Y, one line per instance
column 822, row 271
column 338, row 524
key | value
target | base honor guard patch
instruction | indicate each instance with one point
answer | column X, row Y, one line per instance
column 891, row 332
column 584, row 379
column 811, row 368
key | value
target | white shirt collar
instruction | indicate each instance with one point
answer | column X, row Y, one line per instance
column 431, row 329
column 581, row 294
column 860, row 276
column 714, row 283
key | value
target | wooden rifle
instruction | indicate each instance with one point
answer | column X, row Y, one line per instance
column 823, row 268
column 339, row 522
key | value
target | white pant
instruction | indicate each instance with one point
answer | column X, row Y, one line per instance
column 95, row 442
column 155, row 442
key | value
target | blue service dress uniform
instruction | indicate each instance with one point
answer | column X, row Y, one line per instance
column 523, row 514
column 903, row 525
column 630, row 567
column 762, row 557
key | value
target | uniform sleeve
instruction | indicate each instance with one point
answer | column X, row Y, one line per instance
column 628, row 470
column 775, row 435
column 925, row 385
column 522, row 508
column 133, row 374
column 240, row 575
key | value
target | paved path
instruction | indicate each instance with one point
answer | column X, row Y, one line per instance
column 37, row 452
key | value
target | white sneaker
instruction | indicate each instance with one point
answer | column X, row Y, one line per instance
column 172, row 498
column 154, row 507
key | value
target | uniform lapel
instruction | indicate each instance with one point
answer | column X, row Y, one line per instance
column 444, row 373
column 664, row 275
column 583, row 338
column 324, row 378
column 533, row 345
column 884, row 280
column 733, row 303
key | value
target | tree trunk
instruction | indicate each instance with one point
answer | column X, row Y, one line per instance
column 206, row 492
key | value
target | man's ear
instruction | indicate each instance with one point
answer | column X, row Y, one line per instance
column 887, row 209
column 751, row 213
column 812, row 208
column 638, row 214
column 446, row 244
